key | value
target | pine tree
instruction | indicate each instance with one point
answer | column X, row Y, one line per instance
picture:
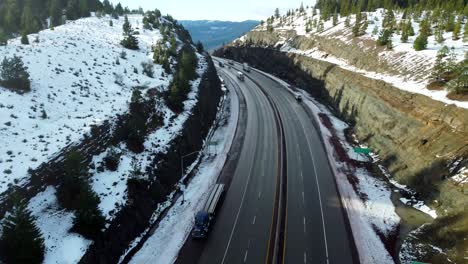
column 24, row 39
column 73, row 10
column 421, row 42
column 438, row 33
column 357, row 25
column 385, row 38
column 199, row 47
column 11, row 19
column 83, row 8
column 75, row 193
column 320, row 27
column 119, row 9
column 28, row 22
column 55, row 13
column 404, row 33
column 14, row 74
column 335, row 18
column 439, row 66
column 129, row 41
column 277, row 13
column 347, row 21
column 301, row 9
column 107, row 7
column 409, row 28
column 3, row 38
column 456, row 31
column 21, row 241
column 450, row 23
column 389, row 19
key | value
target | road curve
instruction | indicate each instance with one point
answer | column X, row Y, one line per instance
column 315, row 229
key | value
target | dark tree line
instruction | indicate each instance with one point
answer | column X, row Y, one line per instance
column 346, row 7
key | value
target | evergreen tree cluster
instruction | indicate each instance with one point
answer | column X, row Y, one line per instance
column 75, row 193
column 166, row 48
column 30, row 16
column 185, row 72
column 129, row 41
column 151, row 20
column 347, row 7
column 435, row 17
column 449, row 73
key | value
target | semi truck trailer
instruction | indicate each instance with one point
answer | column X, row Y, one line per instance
column 205, row 217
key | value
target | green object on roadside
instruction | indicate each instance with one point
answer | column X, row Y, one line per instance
column 362, row 150
column 417, row 262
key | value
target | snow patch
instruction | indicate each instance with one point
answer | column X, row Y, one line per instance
column 62, row 247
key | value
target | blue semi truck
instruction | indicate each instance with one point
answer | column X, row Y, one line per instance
column 204, row 218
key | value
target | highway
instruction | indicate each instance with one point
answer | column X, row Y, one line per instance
column 282, row 204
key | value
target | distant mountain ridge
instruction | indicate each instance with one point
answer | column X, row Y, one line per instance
column 213, row 33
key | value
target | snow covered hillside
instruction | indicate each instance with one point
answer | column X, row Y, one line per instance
column 405, row 68
column 79, row 77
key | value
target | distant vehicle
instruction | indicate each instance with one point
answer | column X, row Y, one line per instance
column 246, row 67
column 299, row 98
column 221, row 64
column 204, row 217
column 222, row 81
column 230, row 62
column 240, row 76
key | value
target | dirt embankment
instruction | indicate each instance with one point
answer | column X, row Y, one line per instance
column 417, row 138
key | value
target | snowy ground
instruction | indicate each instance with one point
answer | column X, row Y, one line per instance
column 73, row 75
column 163, row 246
column 55, row 223
column 461, row 177
column 62, row 247
column 414, row 65
column 112, row 186
column 75, row 96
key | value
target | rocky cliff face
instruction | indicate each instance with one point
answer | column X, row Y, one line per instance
column 418, row 139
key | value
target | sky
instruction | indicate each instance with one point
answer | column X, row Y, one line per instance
column 234, row 10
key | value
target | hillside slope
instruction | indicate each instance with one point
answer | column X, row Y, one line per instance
column 115, row 114
column 76, row 83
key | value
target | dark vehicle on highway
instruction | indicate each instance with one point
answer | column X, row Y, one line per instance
column 204, row 217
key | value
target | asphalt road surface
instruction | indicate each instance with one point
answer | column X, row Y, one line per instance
column 315, row 228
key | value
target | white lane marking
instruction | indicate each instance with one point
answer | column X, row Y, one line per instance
column 305, row 257
column 318, row 188
column 303, row 199
column 302, row 177
column 253, row 221
column 259, row 194
column 245, row 255
column 238, row 213
column 304, row 225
